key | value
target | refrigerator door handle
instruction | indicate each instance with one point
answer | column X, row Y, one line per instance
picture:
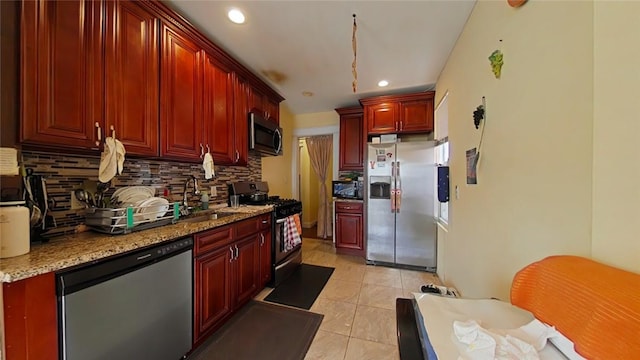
column 398, row 195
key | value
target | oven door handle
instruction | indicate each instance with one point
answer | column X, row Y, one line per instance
column 281, row 221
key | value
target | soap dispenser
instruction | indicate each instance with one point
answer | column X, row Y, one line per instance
column 204, row 200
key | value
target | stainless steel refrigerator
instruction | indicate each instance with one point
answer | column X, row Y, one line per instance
column 401, row 227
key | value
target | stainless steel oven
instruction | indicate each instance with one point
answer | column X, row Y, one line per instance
column 285, row 261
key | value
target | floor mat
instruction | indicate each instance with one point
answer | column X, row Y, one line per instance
column 262, row 331
column 301, row 288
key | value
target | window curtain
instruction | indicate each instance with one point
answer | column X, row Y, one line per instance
column 320, row 151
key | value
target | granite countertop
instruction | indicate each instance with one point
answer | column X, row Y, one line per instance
column 348, row 200
column 70, row 250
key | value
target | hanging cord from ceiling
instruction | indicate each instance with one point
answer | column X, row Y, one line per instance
column 354, row 69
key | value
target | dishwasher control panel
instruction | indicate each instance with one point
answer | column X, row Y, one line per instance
column 175, row 246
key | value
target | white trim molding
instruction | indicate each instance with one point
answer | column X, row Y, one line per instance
column 305, row 132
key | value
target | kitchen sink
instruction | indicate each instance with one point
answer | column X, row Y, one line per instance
column 197, row 217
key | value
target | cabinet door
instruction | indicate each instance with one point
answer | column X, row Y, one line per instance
column 256, row 100
column 349, row 231
column 381, row 118
column 272, row 108
column 62, row 90
column 351, row 142
column 31, row 318
column 181, row 96
column 247, row 269
column 212, row 285
column 241, row 117
column 131, row 63
column 218, row 111
column 416, row 116
column 265, row 257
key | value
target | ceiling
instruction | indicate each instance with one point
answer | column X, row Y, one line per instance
column 305, row 46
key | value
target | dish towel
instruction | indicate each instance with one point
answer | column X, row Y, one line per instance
column 291, row 234
column 108, row 161
column 208, row 166
column 296, row 218
column 120, row 153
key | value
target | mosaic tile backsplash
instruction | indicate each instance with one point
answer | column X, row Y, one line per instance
column 65, row 173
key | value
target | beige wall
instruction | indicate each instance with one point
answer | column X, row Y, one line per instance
column 534, row 193
column 616, row 158
column 276, row 170
column 313, row 120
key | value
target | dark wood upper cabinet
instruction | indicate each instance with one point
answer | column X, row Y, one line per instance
column 351, row 138
column 408, row 113
column 241, row 117
column 181, row 95
column 265, row 105
column 137, row 67
column 131, row 76
column 381, row 118
column 219, row 111
column 62, row 90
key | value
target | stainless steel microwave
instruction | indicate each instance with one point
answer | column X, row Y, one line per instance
column 265, row 136
column 351, row 189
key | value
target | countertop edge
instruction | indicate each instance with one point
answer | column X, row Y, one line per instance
column 77, row 249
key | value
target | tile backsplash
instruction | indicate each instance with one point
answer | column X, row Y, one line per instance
column 65, row 173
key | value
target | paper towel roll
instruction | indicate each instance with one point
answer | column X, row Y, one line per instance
column 14, row 229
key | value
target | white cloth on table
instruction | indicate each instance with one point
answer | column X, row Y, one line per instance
column 440, row 312
column 522, row 343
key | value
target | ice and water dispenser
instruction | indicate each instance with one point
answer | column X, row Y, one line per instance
column 379, row 187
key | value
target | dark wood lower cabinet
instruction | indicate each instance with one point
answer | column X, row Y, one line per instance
column 265, row 257
column 349, row 225
column 230, row 274
column 30, row 318
column 212, row 288
column 247, row 272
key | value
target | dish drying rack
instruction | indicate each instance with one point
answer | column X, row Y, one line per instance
column 125, row 220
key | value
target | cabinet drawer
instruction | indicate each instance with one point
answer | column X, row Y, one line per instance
column 211, row 239
column 247, row 227
column 264, row 221
column 348, row 207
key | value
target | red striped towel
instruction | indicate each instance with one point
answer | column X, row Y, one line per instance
column 291, row 234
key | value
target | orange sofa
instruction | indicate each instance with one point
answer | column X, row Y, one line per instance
column 596, row 306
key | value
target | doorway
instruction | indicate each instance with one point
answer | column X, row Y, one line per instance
column 306, row 184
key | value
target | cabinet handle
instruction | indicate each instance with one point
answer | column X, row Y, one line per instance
column 99, row 133
column 265, row 221
column 236, row 251
column 261, row 239
column 232, row 257
column 237, row 156
column 401, row 126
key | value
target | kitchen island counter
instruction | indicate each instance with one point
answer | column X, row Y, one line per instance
column 87, row 247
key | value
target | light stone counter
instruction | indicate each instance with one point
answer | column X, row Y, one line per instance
column 82, row 248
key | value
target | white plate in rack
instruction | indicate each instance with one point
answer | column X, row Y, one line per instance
column 153, row 208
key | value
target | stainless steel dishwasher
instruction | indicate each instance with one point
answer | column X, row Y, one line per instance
column 135, row 306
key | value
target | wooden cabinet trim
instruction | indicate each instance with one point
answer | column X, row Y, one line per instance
column 212, row 239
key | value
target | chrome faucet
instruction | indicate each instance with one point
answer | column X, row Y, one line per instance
column 184, row 210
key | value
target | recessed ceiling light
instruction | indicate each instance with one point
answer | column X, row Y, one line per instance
column 383, row 83
column 236, row 16
column 307, row 93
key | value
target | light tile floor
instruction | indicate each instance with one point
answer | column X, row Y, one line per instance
column 358, row 304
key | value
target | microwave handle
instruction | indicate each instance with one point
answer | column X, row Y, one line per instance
column 277, row 133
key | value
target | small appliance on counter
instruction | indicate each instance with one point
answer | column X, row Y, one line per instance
column 347, row 189
column 14, row 229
